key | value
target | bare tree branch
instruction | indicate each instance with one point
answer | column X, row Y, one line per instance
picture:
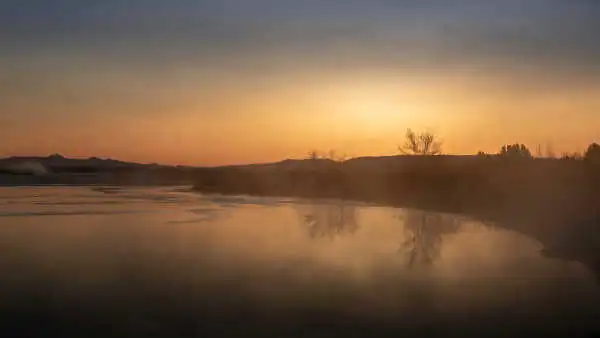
column 424, row 143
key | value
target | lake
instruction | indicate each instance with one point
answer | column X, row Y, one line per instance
column 167, row 262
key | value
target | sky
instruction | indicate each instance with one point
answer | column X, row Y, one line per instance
column 210, row 82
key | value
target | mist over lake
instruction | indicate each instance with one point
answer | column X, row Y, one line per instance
column 168, row 262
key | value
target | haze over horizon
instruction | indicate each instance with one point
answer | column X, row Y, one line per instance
column 213, row 82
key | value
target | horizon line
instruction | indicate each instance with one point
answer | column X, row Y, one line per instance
column 102, row 158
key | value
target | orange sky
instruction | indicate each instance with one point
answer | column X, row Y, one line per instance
column 253, row 120
column 258, row 89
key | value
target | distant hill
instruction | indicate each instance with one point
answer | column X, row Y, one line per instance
column 58, row 163
column 57, row 169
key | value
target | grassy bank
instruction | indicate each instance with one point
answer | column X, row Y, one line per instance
column 552, row 200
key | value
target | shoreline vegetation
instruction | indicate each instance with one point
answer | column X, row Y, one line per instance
column 554, row 200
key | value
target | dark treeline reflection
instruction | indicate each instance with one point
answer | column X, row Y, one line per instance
column 424, row 233
column 328, row 219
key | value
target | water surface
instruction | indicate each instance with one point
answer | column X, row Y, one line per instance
column 168, row 262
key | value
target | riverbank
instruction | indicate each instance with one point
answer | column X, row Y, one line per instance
column 555, row 202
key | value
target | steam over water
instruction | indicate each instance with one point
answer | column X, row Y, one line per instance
column 149, row 262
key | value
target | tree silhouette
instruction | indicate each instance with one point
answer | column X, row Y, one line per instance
column 331, row 155
column 515, row 151
column 314, row 155
column 328, row 220
column 571, row 156
column 550, row 151
column 592, row 154
column 424, row 143
column 337, row 157
column 482, row 154
column 424, row 233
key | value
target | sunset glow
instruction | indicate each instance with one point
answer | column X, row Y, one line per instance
column 168, row 84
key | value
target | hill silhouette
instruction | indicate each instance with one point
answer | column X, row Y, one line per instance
column 57, row 169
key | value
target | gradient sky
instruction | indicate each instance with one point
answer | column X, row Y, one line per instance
column 209, row 82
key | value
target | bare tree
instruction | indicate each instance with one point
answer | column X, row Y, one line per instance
column 328, row 220
column 314, row 155
column 550, row 151
column 337, row 157
column 424, row 143
column 516, row 150
column 332, row 155
column 424, row 233
column 572, row 156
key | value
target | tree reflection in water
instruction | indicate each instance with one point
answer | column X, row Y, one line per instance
column 323, row 219
column 423, row 236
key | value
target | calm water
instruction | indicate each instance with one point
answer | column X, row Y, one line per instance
column 168, row 263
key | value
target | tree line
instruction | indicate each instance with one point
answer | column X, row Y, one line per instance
column 426, row 143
